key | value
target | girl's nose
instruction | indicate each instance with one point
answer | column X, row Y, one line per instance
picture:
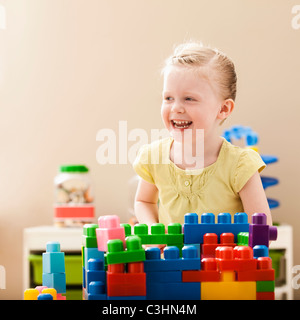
column 177, row 107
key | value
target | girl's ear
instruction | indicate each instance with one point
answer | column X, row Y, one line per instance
column 226, row 109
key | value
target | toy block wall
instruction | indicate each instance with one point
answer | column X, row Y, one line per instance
column 204, row 260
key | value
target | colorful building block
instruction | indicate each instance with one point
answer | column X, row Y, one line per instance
column 54, row 268
column 92, row 253
column 220, row 265
column 51, row 291
column 89, row 239
column 45, row 296
column 164, row 276
column 53, row 259
column 132, row 283
column 174, row 291
column 208, row 272
column 260, row 251
column 109, row 229
column 259, row 232
column 31, row 294
column 265, row 295
column 172, row 261
column 55, row 280
column 265, row 286
column 242, row 238
column 194, row 231
column 133, row 253
column 229, row 290
column 210, row 243
column 264, row 271
column 158, row 235
column 96, row 291
column 95, row 272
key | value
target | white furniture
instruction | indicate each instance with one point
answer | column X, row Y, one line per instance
column 35, row 239
column 285, row 242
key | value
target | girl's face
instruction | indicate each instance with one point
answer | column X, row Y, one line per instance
column 189, row 101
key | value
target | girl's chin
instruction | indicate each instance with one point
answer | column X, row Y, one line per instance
column 189, row 134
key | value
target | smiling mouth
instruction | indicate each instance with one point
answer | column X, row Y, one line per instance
column 183, row 124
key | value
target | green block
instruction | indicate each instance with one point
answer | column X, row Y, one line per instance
column 89, row 242
column 243, row 238
column 265, row 286
column 158, row 235
column 133, row 253
column 82, row 256
column 127, row 228
column 89, row 239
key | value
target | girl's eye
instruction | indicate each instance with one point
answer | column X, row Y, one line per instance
column 189, row 99
column 168, row 98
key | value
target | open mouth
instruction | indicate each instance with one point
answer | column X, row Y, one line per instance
column 182, row 124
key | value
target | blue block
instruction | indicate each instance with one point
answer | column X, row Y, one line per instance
column 56, row 281
column 53, row 259
column 97, row 291
column 172, row 261
column 92, row 253
column 174, row 291
column 83, row 278
column 95, row 272
column 260, row 251
column 194, row 231
column 45, row 296
column 53, row 262
column 163, row 276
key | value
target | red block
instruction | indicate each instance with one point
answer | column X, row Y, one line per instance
column 265, row 296
column 208, row 273
column 244, row 259
column 210, row 243
column 126, row 284
column 200, row 276
column 257, row 275
column 225, row 260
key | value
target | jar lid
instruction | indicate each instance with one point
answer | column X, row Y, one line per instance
column 73, row 168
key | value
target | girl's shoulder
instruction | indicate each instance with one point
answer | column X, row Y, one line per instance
column 234, row 153
column 155, row 152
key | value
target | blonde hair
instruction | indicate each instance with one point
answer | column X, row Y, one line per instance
column 218, row 66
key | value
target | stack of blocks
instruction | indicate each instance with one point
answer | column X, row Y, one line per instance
column 54, row 276
column 207, row 261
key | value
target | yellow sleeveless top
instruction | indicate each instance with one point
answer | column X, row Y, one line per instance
column 213, row 189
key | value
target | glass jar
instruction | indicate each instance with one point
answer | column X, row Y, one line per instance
column 73, row 185
column 73, row 195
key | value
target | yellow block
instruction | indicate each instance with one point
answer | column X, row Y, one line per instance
column 237, row 290
column 52, row 291
column 228, row 276
column 31, row 294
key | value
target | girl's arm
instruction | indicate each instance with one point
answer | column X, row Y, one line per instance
column 145, row 206
column 254, row 198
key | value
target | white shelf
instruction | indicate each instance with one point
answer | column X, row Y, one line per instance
column 285, row 242
column 35, row 239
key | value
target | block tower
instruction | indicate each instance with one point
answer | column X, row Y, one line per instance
column 54, row 275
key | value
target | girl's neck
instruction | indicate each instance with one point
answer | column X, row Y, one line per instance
column 196, row 155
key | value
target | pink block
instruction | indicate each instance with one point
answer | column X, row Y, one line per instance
column 109, row 229
column 61, row 297
column 40, row 288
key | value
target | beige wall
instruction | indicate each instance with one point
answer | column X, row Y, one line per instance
column 72, row 67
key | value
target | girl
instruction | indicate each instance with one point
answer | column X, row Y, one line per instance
column 183, row 173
